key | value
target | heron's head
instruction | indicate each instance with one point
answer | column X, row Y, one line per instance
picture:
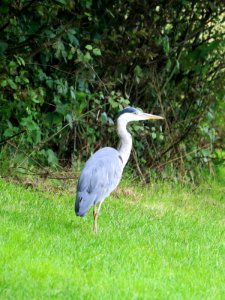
column 130, row 114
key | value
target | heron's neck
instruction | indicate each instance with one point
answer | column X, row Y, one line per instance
column 125, row 145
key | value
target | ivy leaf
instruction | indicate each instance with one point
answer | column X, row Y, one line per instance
column 88, row 47
column 104, row 118
column 3, row 83
column 12, row 84
column 97, row 52
column 153, row 134
column 87, row 57
column 138, row 71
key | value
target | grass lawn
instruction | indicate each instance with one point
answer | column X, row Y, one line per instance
column 163, row 241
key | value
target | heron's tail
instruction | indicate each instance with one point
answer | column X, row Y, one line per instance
column 83, row 202
column 78, row 200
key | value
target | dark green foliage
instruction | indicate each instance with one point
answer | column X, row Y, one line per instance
column 68, row 67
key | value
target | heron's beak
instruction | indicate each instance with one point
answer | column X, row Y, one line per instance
column 151, row 117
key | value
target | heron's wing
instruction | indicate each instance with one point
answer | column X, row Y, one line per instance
column 101, row 174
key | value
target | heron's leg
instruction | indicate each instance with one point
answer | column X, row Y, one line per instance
column 100, row 204
column 95, row 215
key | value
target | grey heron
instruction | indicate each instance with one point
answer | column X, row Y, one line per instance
column 103, row 170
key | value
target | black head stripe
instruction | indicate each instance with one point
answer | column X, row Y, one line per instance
column 126, row 110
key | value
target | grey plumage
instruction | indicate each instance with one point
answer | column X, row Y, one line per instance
column 100, row 176
column 103, row 170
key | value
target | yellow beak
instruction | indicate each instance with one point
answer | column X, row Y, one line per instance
column 151, row 117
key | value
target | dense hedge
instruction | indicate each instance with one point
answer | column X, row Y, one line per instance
column 68, row 67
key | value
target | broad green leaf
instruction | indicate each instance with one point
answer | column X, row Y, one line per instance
column 4, row 83
column 88, row 47
column 97, row 52
column 12, row 84
column 138, row 71
column 87, row 57
column 153, row 134
column 104, row 118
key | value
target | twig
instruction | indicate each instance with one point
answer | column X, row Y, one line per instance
column 11, row 144
column 104, row 85
column 42, row 143
column 137, row 165
column 180, row 157
column 11, row 137
column 49, row 177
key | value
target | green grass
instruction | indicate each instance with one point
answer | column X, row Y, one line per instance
column 159, row 242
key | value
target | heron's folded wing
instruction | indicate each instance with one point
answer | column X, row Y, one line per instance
column 101, row 174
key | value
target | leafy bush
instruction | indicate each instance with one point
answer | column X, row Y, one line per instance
column 67, row 68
